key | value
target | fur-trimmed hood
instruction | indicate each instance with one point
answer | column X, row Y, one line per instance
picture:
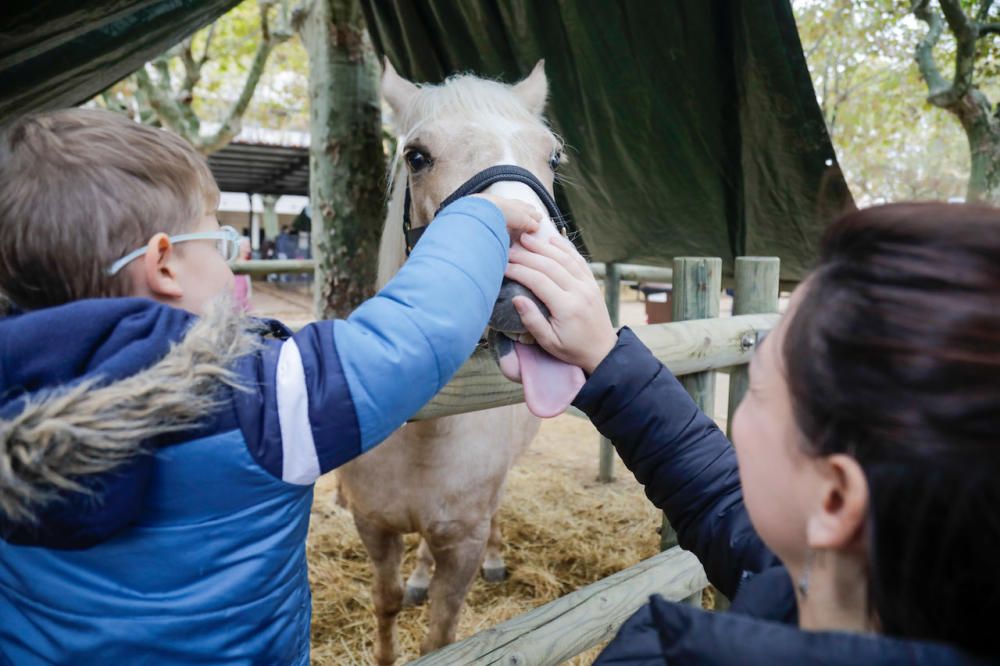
column 85, row 386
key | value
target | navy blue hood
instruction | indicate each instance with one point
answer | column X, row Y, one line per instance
column 43, row 352
column 108, row 338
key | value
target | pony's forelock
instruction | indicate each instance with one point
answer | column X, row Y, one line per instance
column 464, row 95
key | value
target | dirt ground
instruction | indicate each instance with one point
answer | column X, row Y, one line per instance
column 562, row 528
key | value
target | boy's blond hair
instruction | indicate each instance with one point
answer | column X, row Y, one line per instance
column 80, row 188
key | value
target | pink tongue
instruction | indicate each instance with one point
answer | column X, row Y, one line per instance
column 549, row 384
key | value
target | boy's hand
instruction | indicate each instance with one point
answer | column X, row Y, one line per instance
column 579, row 329
column 521, row 217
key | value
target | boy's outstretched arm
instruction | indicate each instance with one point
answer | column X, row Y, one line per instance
column 340, row 387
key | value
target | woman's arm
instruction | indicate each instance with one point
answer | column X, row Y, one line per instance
column 685, row 462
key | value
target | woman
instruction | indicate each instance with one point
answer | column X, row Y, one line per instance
column 860, row 498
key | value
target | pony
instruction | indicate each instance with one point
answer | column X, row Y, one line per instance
column 444, row 478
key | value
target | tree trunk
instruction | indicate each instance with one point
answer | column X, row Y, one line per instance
column 346, row 163
column 982, row 129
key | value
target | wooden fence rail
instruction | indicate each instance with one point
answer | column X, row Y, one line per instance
column 563, row 628
column 684, row 347
column 269, row 266
column 633, row 272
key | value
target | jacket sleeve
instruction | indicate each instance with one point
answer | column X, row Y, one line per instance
column 338, row 388
column 683, row 460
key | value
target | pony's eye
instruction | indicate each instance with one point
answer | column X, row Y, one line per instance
column 417, row 159
column 555, row 160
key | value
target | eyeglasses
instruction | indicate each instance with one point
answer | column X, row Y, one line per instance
column 227, row 242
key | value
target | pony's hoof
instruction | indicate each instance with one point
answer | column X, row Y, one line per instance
column 414, row 596
column 495, row 575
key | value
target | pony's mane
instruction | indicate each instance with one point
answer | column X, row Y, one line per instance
column 392, row 245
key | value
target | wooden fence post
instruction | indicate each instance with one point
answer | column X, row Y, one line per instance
column 696, row 288
column 612, row 294
column 756, row 292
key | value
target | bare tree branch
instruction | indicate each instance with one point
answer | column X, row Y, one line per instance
column 192, row 70
column 929, row 71
column 989, row 29
column 208, row 43
column 984, row 11
column 232, row 124
column 815, row 46
column 161, row 102
column 965, row 33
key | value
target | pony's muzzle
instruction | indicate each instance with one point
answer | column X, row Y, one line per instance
column 505, row 318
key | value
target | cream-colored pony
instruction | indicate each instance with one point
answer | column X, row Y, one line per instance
column 444, row 478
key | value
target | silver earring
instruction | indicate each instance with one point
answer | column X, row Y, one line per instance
column 803, row 582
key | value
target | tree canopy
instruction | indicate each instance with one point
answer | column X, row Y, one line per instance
column 248, row 67
column 892, row 142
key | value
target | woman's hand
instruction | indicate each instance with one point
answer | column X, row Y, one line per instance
column 522, row 217
column 578, row 329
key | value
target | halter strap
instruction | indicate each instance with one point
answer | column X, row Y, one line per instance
column 475, row 185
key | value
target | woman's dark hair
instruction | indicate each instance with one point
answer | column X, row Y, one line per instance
column 893, row 357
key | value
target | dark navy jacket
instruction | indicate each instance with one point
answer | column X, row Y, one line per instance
column 688, row 469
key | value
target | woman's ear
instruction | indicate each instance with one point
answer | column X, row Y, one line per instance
column 837, row 523
column 159, row 270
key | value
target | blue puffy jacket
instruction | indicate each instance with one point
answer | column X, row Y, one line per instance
column 194, row 552
column 688, row 469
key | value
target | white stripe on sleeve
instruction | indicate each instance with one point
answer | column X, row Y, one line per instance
column 300, row 464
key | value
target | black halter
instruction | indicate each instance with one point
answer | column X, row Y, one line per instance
column 475, row 185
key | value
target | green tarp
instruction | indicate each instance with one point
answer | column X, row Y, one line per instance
column 57, row 53
column 692, row 124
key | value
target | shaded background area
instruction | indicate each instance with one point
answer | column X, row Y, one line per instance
column 692, row 124
column 58, row 53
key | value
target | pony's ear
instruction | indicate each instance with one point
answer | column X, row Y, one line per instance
column 533, row 90
column 396, row 90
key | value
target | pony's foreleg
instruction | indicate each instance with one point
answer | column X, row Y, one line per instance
column 494, row 570
column 456, row 559
column 385, row 549
column 420, row 579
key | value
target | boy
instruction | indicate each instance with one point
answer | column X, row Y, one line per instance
column 156, row 467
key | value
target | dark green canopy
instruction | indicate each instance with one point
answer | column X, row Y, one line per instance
column 692, row 124
column 57, row 53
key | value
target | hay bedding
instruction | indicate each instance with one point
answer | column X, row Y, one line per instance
column 563, row 530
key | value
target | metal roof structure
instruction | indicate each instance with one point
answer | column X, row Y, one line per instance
column 261, row 168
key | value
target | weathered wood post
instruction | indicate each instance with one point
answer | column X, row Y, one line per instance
column 696, row 287
column 612, row 294
column 697, row 284
column 756, row 292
